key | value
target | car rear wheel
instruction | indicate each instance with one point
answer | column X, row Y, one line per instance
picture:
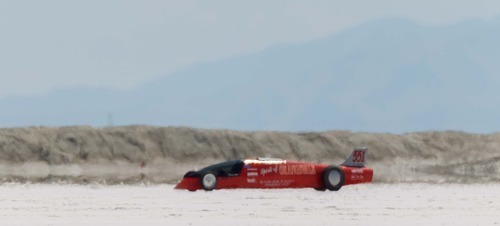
column 208, row 181
column 333, row 178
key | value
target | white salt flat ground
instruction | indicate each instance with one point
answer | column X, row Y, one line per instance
column 369, row 204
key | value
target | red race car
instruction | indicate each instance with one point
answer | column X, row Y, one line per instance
column 277, row 173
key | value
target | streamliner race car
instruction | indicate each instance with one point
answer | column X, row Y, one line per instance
column 277, row 173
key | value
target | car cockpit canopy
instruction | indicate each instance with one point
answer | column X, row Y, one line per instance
column 228, row 168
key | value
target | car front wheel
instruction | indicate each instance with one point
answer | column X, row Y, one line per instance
column 208, row 181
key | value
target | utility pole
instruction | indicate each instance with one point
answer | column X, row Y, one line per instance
column 110, row 119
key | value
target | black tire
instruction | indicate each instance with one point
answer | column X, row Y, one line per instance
column 208, row 181
column 333, row 178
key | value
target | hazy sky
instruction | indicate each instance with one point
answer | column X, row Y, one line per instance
column 120, row 44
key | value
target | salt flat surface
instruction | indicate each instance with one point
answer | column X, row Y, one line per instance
column 369, row 204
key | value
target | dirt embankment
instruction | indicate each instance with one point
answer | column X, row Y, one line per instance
column 134, row 154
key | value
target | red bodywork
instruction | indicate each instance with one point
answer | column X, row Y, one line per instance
column 280, row 174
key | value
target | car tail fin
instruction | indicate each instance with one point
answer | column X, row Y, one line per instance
column 357, row 158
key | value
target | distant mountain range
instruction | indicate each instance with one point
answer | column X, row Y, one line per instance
column 386, row 76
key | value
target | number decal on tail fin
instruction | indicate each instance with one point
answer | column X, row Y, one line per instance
column 358, row 156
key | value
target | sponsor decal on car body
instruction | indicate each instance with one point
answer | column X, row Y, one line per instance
column 252, row 174
column 297, row 170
